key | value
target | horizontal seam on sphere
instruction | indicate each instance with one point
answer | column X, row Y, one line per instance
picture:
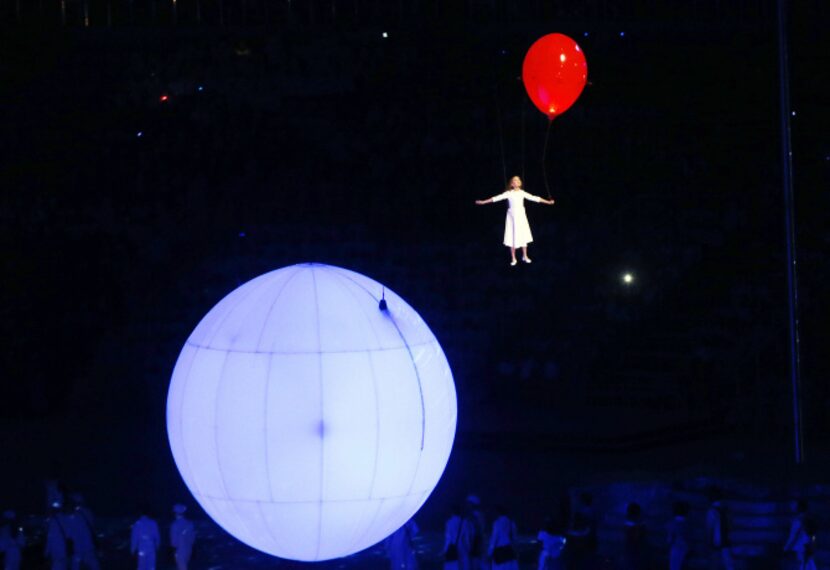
column 309, row 502
column 291, row 352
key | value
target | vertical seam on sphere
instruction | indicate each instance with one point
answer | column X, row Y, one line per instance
column 370, row 524
column 322, row 424
column 374, row 386
column 181, row 419
column 268, row 384
column 265, row 426
column 418, row 379
column 271, row 308
column 451, row 397
column 377, row 425
column 269, row 530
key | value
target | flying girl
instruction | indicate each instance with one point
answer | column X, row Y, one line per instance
column 516, row 228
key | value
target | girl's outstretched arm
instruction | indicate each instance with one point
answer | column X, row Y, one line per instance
column 539, row 199
column 496, row 198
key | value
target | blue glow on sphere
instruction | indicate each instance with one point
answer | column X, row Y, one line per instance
column 307, row 422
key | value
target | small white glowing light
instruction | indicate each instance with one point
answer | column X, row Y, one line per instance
column 139, row 134
column 562, row 57
column 622, row 34
column 307, row 418
column 585, row 34
column 793, row 113
column 628, row 278
column 385, row 35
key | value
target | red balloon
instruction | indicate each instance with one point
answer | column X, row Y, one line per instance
column 554, row 73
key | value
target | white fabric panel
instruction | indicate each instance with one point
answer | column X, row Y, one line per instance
column 347, row 324
column 350, row 426
column 298, row 527
column 293, row 325
column 399, row 405
column 175, row 401
column 241, row 445
column 214, row 326
column 295, row 449
column 439, row 391
column 198, row 414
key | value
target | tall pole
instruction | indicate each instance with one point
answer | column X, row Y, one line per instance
column 789, row 212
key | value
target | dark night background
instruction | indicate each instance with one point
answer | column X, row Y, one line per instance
column 293, row 131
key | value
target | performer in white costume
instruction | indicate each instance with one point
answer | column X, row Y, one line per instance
column 145, row 542
column 400, row 547
column 12, row 541
column 80, row 530
column 182, row 537
column 516, row 228
column 459, row 533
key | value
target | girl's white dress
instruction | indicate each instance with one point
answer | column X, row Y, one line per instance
column 516, row 228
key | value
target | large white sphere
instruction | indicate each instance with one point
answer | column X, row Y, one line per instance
column 306, row 421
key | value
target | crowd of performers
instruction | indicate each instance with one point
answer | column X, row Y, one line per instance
column 70, row 540
column 469, row 544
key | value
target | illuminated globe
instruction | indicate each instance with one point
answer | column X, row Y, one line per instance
column 307, row 421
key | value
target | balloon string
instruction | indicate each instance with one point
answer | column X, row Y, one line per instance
column 523, row 139
column 544, row 158
column 501, row 137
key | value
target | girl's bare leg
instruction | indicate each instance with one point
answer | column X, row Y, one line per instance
column 512, row 256
column 524, row 254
